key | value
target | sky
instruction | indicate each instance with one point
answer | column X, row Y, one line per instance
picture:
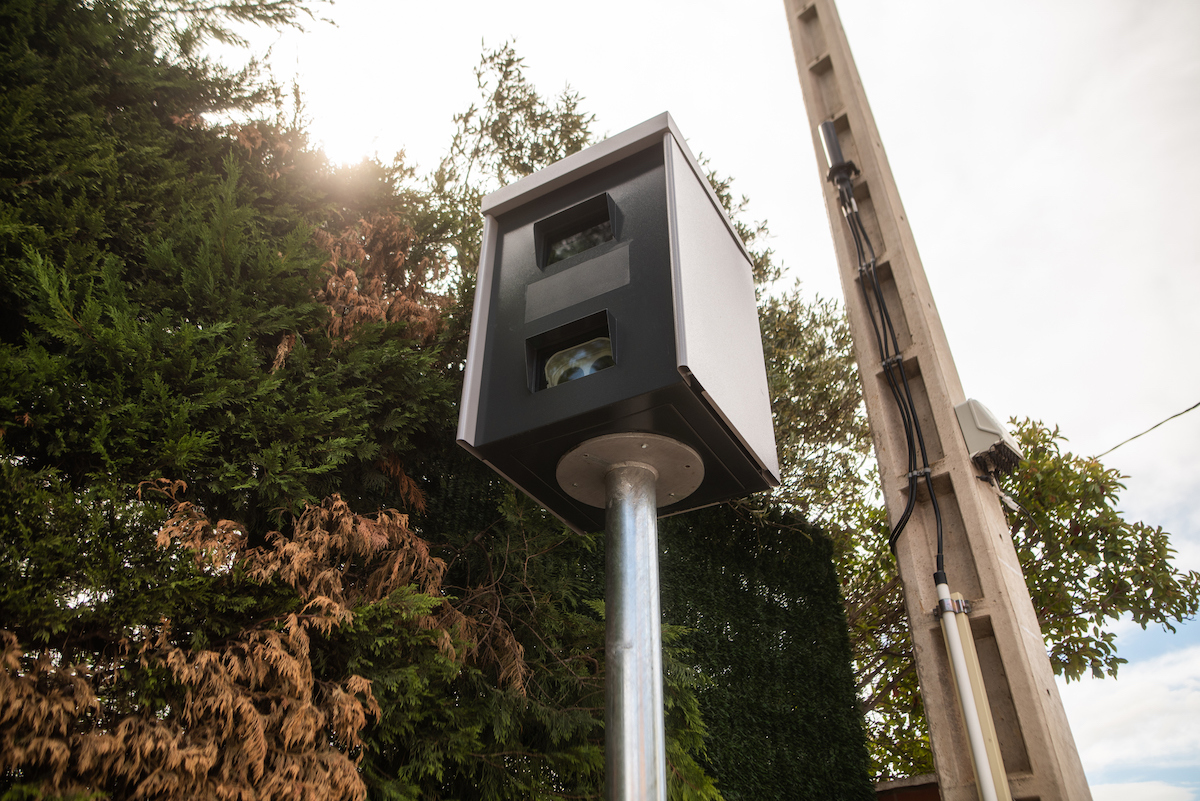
column 1048, row 158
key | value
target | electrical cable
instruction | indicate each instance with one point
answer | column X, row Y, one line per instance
column 1009, row 501
column 1148, row 430
column 841, row 171
column 891, row 358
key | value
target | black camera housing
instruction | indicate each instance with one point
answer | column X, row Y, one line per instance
column 624, row 240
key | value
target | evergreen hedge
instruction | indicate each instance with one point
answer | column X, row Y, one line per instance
column 759, row 598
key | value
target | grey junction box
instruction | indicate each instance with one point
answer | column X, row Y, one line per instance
column 614, row 296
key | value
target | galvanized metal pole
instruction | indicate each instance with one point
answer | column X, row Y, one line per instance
column 636, row 761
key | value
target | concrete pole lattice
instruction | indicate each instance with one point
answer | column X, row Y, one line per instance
column 1039, row 753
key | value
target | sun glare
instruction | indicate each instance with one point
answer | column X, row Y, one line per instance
column 346, row 143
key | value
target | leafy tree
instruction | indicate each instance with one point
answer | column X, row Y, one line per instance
column 881, row 644
column 824, row 445
column 820, row 426
column 1085, row 564
column 511, row 134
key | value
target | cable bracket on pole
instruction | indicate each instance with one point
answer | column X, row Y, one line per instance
column 952, row 606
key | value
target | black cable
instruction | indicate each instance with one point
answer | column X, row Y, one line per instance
column 892, row 361
column 1148, row 430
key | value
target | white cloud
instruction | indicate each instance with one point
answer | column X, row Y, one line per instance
column 1146, row 719
column 1142, row 791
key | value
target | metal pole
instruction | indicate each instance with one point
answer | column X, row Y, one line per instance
column 635, row 764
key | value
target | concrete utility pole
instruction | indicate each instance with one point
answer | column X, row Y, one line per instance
column 1035, row 742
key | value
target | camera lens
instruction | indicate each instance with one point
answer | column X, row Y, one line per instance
column 579, row 360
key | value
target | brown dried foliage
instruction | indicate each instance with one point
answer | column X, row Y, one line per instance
column 372, row 279
column 409, row 489
column 287, row 343
column 249, row 723
column 336, row 560
column 245, row 718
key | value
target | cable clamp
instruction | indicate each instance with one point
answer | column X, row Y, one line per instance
column 952, row 606
column 924, row 471
column 842, row 172
column 892, row 361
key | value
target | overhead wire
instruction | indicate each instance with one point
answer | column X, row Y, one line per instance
column 1148, row 430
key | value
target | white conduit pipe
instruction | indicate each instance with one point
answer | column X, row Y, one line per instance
column 962, row 681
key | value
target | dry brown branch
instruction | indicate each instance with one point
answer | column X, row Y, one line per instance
column 372, row 279
column 245, row 717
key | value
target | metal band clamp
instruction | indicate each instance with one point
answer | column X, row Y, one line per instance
column 952, row 606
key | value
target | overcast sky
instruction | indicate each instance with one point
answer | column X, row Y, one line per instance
column 1047, row 157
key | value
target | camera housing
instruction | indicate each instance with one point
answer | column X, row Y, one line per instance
column 623, row 251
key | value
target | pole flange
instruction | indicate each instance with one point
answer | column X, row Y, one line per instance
column 679, row 468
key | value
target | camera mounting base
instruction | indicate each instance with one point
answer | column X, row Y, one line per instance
column 679, row 469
